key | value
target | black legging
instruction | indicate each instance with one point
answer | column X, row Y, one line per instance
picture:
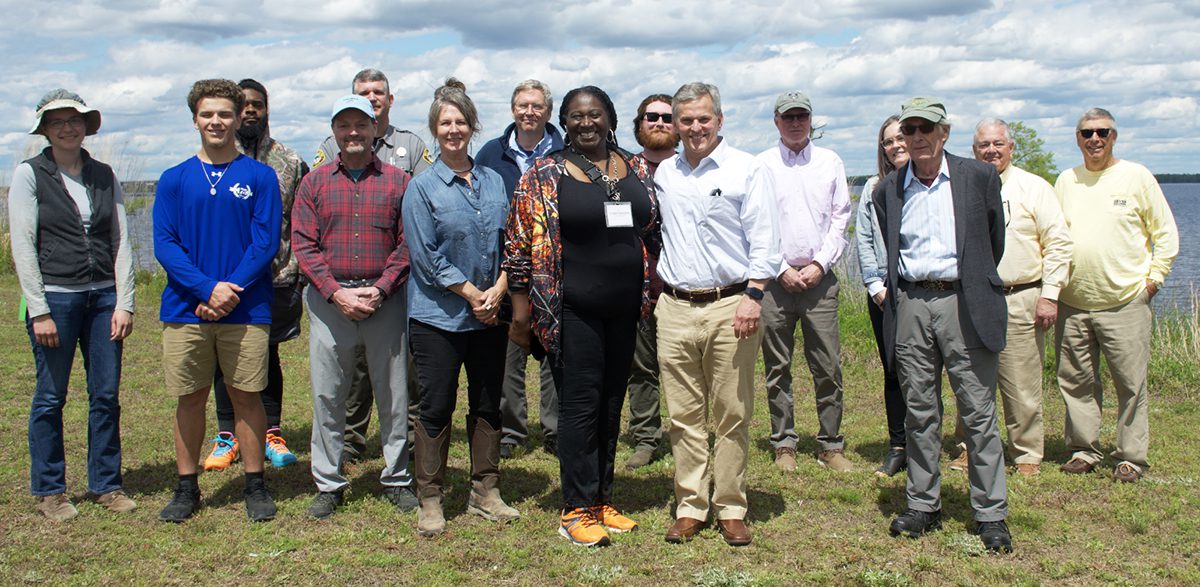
column 893, row 398
column 272, row 396
column 440, row 355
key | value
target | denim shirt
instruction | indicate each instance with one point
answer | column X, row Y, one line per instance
column 872, row 256
column 455, row 234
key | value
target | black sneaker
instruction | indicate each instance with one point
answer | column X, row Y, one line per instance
column 324, row 504
column 550, row 445
column 402, row 497
column 259, row 505
column 995, row 536
column 184, row 503
column 913, row 523
column 507, row 449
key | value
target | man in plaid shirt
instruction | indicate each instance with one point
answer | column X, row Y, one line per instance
column 349, row 241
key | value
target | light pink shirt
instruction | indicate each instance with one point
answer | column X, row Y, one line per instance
column 813, row 204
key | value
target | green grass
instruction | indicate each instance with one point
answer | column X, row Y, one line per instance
column 811, row 527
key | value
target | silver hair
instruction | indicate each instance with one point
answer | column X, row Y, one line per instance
column 532, row 84
column 694, row 91
column 1096, row 114
column 994, row 122
column 370, row 74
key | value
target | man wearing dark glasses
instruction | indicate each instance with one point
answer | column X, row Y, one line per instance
column 943, row 224
column 1125, row 241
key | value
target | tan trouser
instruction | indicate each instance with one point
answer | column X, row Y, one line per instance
column 1020, row 377
column 1123, row 335
column 703, row 364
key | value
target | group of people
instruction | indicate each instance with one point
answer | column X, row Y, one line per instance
column 617, row 271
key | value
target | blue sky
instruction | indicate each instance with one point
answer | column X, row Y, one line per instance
column 1043, row 63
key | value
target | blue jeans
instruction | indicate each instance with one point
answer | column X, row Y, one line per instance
column 82, row 319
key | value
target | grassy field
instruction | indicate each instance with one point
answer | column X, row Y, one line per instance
column 811, row 527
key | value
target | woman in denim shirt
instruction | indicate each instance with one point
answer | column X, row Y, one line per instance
column 454, row 216
column 872, row 259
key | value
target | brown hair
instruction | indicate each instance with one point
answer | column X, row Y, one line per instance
column 641, row 112
column 885, row 164
column 453, row 93
column 216, row 88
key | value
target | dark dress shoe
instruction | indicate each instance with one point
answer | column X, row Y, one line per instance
column 995, row 536
column 895, row 461
column 683, row 530
column 1077, row 466
column 913, row 523
column 735, row 532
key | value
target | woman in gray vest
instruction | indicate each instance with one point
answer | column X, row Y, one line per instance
column 70, row 247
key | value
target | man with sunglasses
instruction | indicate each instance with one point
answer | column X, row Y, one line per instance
column 1125, row 241
column 814, row 210
column 943, row 225
column 1037, row 258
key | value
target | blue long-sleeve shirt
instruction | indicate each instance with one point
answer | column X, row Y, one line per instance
column 200, row 238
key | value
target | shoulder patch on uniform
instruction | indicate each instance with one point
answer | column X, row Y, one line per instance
column 319, row 159
column 427, row 157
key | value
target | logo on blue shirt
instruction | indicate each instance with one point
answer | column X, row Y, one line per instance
column 241, row 192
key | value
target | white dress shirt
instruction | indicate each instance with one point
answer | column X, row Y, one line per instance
column 813, row 202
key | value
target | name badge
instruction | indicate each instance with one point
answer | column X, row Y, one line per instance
column 618, row 214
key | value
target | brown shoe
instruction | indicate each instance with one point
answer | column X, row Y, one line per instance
column 116, row 501
column 683, row 530
column 1028, row 469
column 735, row 532
column 1126, row 472
column 835, row 459
column 960, row 462
column 56, row 507
column 785, row 458
column 1077, row 466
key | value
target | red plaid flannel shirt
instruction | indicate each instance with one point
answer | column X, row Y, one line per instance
column 346, row 230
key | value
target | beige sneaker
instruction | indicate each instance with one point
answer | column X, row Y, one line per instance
column 836, row 460
column 785, row 458
column 57, row 507
column 960, row 462
column 117, row 501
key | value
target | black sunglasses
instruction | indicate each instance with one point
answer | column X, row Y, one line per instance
column 654, row 116
column 911, row 129
column 795, row 117
column 1088, row 132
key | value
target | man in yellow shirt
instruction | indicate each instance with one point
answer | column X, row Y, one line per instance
column 1125, row 240
column 1037, row 258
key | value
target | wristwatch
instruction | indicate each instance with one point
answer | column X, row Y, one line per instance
column 755, row 293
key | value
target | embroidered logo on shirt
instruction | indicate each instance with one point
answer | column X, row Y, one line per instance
column 241, row 192
column 1121, row 203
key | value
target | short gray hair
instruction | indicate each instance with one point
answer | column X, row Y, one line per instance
column 370, row 74
column 532, row 84
column 694, row 91
column 995, row 122
column 1096, row 114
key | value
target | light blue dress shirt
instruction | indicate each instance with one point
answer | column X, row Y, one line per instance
column 525, row 158
column 928, row 245
column 454, row 234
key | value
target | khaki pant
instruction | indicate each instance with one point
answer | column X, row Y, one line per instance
column 1020, row 378
column 704, row 365
column 1123, row 335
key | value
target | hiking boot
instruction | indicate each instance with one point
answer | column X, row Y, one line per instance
column 116, row 501
column 484, row 499
column 401, row 497
column 641, row 457
column 224, row 452
column 277, row 451
column 430, row 471
column 260, row 507
column 835, row 459
column 324, row 504
column 184, row 503
column 1077, row 466
column 1126, row 472
column 995, row 536
column 57, row 507
column 960, row 462
column 913, row 523
column 785, row 458
column 613, row 520
column 581, row 527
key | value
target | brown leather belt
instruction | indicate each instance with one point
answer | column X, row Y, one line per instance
column 936, row 285
column 1012, row 289
column 705, row 295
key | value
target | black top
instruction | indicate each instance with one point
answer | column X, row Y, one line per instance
column 602, row 267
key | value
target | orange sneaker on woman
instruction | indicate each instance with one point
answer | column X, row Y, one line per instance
column 224, row 452
column 581, row 527
column 613, row 520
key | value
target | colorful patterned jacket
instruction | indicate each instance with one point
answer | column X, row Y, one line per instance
column 533, row 244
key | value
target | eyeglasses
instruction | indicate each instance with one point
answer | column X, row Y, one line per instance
column 536, row 107
column 925, row 127
column 57, row 124
column 795, row 117
column 1088, row 132
column 655, row 116
column 891, row 141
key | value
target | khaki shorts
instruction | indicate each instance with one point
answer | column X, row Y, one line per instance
column 191, row 353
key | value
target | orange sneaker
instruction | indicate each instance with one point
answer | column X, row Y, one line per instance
column 581, row 527
column 224, row 453
column 613, row 520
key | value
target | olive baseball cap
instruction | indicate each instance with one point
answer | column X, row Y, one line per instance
column 930, row 109
column 791, row 100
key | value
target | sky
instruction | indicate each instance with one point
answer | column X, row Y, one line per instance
column 1041, row 62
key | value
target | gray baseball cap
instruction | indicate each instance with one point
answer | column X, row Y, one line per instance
column 791, row 100
column 59, row 98
column 353, row 101
column 930, row 109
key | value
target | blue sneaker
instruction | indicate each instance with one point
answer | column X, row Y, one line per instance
column 277, row 451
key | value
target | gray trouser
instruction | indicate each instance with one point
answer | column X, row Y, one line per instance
column 932, row 333
column 645, row 421
column 332, row 341
column 513, row 411
column 816, row 310
column 358, row 404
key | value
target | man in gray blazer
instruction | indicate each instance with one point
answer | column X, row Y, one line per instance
column 943, row 224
